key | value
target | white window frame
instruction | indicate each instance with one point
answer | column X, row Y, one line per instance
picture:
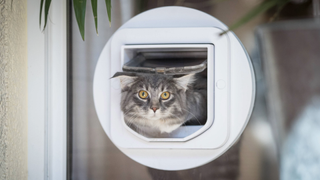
column 47, row 89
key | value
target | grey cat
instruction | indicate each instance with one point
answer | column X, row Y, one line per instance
column 153, row 104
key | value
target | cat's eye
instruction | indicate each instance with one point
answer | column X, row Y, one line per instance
column 165, row 95
column 143, row 94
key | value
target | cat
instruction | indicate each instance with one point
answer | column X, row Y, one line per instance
column 153, row 104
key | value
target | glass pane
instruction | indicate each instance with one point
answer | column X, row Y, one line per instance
column 91, row 153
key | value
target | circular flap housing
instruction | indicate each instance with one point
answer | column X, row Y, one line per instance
column 230, row 86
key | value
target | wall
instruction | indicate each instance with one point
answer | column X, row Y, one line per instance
column 13, row 89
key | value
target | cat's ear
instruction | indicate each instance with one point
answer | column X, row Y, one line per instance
column 184, row 81
column 126, row 79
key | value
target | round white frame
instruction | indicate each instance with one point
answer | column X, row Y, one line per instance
column 241, row 93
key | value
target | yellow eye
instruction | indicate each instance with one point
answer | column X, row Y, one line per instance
column 165, row 95
column 143, row 94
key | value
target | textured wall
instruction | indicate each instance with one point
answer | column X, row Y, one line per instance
column 13, row 89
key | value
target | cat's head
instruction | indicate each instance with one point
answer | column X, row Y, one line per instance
column 154, row 101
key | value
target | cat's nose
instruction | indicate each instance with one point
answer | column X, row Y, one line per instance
column 154, row 109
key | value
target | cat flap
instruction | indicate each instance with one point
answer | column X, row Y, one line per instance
column 230, row 91
column 185, row 63
column 167, row 60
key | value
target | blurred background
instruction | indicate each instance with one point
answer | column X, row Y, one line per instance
column 282, row 139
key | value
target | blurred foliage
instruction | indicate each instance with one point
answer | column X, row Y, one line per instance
column 80, row 10
column 259, row 9
column 275, row 5
column 80, row 13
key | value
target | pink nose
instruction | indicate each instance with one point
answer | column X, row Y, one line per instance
column 154, row 109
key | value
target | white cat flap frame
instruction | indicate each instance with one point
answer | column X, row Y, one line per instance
column 231, row 87
column 218, row 64
column 183, row 133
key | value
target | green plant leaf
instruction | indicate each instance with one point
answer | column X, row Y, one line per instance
column 108, row 4
column 80, row 12
column 46, row 12
column 95, row 13
column 262, row 7
column 40, row 16
column 279, row 8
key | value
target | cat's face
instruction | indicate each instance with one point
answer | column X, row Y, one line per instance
column 154, row 101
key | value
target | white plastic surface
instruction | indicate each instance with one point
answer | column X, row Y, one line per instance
column 217, row 67
column 239, row 87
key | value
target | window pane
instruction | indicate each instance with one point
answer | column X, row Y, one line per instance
column 91, row 153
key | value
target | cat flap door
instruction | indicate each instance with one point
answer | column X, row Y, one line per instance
column 211, row 53
column 164, row 59
column 173, row 59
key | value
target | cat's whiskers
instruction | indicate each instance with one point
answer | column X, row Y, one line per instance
column 125, row 112
column 143, row 124
column 131, row 120
column 191, row 114
column 175, row 115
